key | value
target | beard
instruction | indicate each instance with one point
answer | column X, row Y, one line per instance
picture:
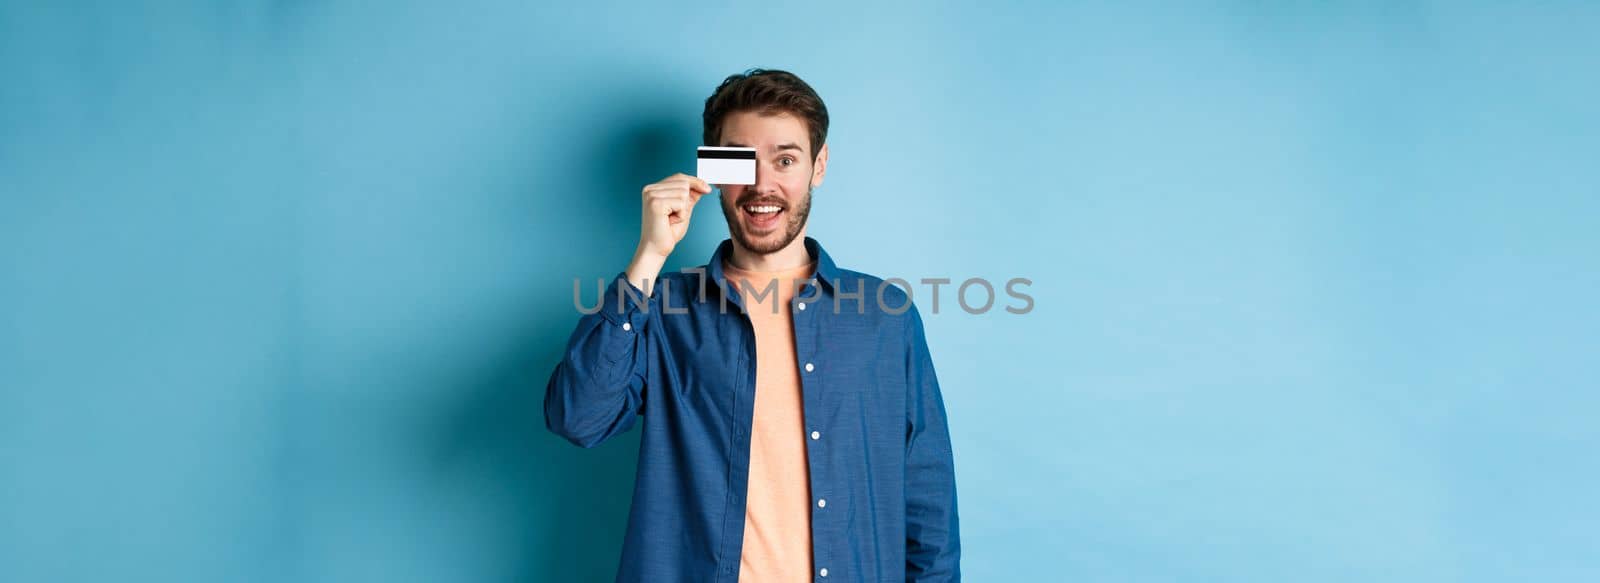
column 794, row 221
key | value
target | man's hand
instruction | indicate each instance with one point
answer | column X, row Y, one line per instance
column 668, row 205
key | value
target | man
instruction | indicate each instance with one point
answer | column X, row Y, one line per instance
column 796, row 428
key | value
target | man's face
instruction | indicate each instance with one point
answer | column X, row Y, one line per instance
column 770, row 214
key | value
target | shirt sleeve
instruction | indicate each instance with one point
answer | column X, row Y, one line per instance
column 933, row 539
column 597, row 390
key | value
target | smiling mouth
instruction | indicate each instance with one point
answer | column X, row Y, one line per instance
column 763, row 216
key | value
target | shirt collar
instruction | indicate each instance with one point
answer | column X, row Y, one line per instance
column 827, row 273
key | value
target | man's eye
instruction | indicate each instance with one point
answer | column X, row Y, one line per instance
column 786, row 161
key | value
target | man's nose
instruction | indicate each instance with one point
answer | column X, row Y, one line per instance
column 766, row 182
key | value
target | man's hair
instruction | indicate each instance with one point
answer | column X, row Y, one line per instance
column 766, row 92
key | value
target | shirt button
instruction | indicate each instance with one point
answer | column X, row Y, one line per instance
column 802, row 306
column 810, row 368
column 823, row 572
column 627, row 326
column 816, row 435
column 822, row 503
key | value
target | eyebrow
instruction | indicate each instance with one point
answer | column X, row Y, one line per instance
column 779, row 147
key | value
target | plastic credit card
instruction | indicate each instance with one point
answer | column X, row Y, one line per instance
column 721, row 165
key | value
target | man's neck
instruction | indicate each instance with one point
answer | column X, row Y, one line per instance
column 791, row 256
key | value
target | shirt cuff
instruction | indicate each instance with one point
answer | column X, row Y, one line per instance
column 635, row 304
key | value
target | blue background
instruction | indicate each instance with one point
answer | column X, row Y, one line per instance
column 283, row 281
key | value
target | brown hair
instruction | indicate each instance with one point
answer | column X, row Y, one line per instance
column 767, row 92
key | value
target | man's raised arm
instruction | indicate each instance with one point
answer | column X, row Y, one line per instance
column 597, row 390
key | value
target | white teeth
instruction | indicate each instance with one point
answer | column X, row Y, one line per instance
column 761, row 209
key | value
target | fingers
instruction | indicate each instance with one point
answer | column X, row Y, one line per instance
column 679, row 185
column 668, row 205
column 672, row 202
column 694, row 183
column 678, row 192
column 673, row 209
column 699, row 185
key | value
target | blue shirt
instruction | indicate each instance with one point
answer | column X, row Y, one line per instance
column 684, row 359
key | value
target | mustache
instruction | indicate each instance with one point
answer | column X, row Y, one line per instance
column 762, row 201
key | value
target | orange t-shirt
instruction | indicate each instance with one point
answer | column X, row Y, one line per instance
column 777, row 516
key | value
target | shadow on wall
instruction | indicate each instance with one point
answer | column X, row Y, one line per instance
column 563, row 509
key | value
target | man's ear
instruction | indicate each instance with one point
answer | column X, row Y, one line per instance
column 821, row 168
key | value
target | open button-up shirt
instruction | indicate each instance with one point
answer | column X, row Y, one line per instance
column 683, row 357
